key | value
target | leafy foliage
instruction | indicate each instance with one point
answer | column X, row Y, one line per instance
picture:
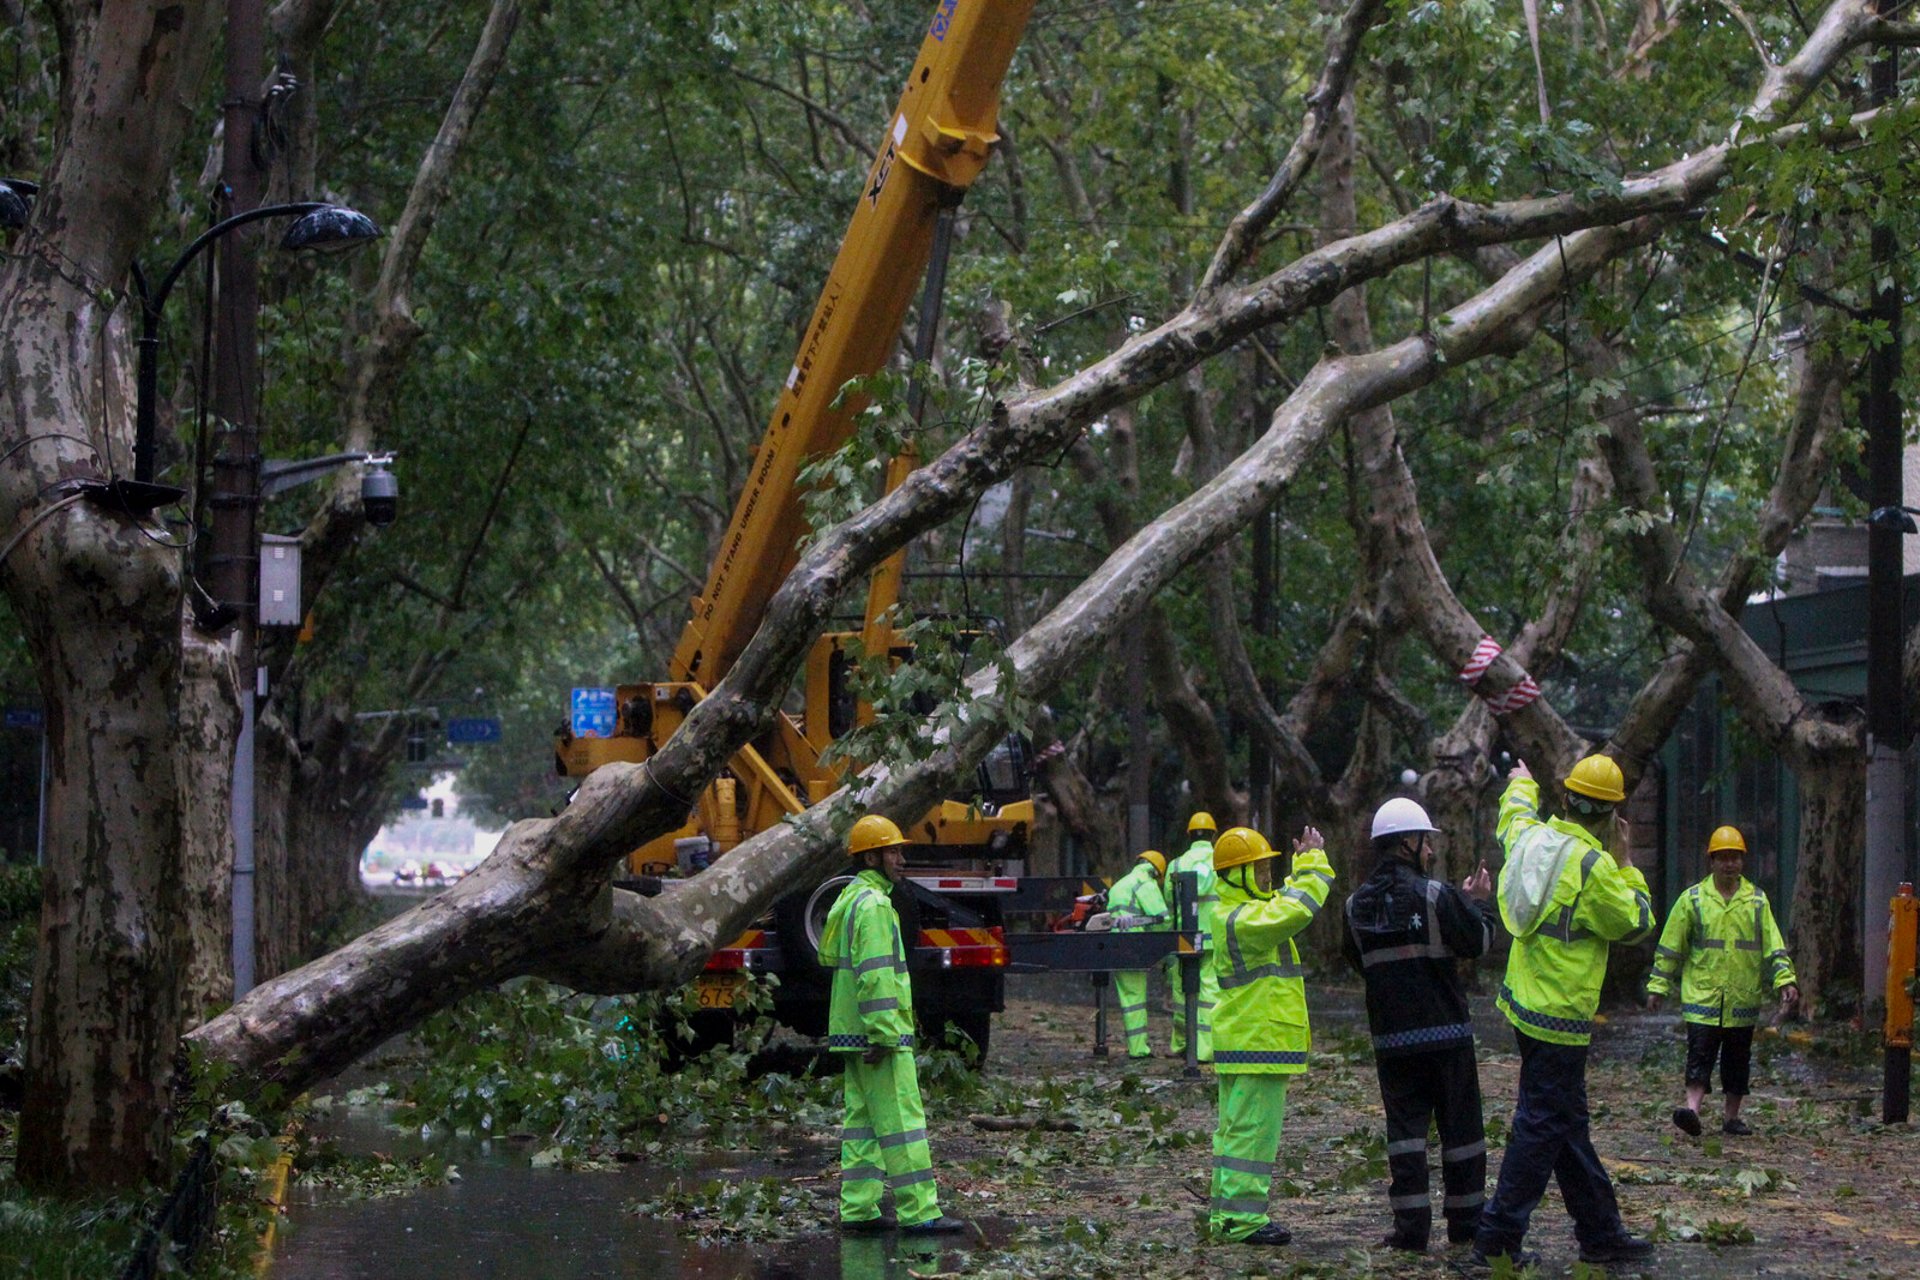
column 586, row 1075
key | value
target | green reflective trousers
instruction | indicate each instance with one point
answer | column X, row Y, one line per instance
column 1130, row 992
column 1252, row 1110
column 884, row 1143
column 1203, row 1017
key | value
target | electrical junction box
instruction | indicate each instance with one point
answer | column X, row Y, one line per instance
column 280, row 581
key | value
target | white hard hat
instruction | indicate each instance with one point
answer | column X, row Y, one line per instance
column 1400, row 816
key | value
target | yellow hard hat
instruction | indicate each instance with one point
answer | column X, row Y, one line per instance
column 1598, row 778
column 1726, row 839
column 873, row 832
column 1238, row 846
column 1202, row 821
column 1157, row 858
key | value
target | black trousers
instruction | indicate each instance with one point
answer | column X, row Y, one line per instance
column 1440, row 1086
column 1733, row 1046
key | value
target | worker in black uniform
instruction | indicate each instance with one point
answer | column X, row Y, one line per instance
column 1405, row 933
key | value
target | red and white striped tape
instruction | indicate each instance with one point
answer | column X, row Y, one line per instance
column 1525, row 691
column 1483, row 655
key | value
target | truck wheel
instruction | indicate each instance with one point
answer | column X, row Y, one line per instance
column 800, row 918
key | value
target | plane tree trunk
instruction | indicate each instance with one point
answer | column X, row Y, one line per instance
column 99, row 600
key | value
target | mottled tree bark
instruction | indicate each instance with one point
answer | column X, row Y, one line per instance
column 99, row 599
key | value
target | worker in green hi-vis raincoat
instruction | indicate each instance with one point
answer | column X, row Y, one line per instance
column 870, row 1025
column 1260, row 1032
column 1136, row 905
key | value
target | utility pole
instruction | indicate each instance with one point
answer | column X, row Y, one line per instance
column 1886, row 713
column 233, row 567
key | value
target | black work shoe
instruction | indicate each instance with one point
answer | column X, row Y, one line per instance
column 1483, row 1262
column 940, row 1226
column 1272, row 1233
column 1687, row 1121
column 1736, row 1126
column 1618, row 1249
column 1412, row 1244
column 866, row 1226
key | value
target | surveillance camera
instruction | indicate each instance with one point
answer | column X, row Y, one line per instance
column 379, row 493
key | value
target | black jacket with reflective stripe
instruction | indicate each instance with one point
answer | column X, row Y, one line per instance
column 1405, row 934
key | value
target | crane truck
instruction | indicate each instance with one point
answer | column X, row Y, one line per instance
column 967, row 854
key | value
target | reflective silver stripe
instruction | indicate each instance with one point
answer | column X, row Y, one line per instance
column 1224, row 1204
column 1246, row 977
column 1434, row 940
column 863, row 1173
column 1421, row 1201
column 908, row 1179
column 879, row 962
column 902, row 1139
column 1644, row 925
column 856, row 1135
column 1412, row 951
column 1470, row 1200
column 1563, row 928
column 1406, row 1146
column 1133, row 1008
column 1315, row 871
column 1451, row 1155
column 1713, row 944
column 881, row 1005
column 1668, row 952
column 1302, row 897
column 1240, row 1165
column 1233, row 939
column 1741, row 944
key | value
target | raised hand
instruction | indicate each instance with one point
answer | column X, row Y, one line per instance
column 1310, row 838
column 1479, row 883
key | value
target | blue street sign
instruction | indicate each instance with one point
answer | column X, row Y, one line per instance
column 414, row 801
column 24, row 718
column 593, row 713
column 473, row 729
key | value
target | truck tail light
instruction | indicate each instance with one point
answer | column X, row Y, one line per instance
column 967, row 948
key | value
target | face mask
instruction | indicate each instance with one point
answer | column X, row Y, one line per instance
column 1263, row 875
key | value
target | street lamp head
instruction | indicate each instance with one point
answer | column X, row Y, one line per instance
column 379, row 491
column 1898, row 519
column 330, row 229
column 16, row 202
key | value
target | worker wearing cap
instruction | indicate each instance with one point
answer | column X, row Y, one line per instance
column 1136, row 904
column 1198, row 859
column 1563, row 897
column 1260, row 1033
column 870, row 1025
column 1722, row 945
column 1406, row 934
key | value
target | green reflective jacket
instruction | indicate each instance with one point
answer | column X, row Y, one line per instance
column 1260, row 1023
column 1564, row 899
column 1198, row 859
column 872, row 1000
column 1727, row 953
column 1135, row 901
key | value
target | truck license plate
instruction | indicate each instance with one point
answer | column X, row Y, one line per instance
column 716, row 990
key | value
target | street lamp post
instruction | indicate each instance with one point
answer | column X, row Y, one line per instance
column 320, row 226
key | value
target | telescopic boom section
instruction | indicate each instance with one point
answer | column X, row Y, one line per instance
column 936, row 144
